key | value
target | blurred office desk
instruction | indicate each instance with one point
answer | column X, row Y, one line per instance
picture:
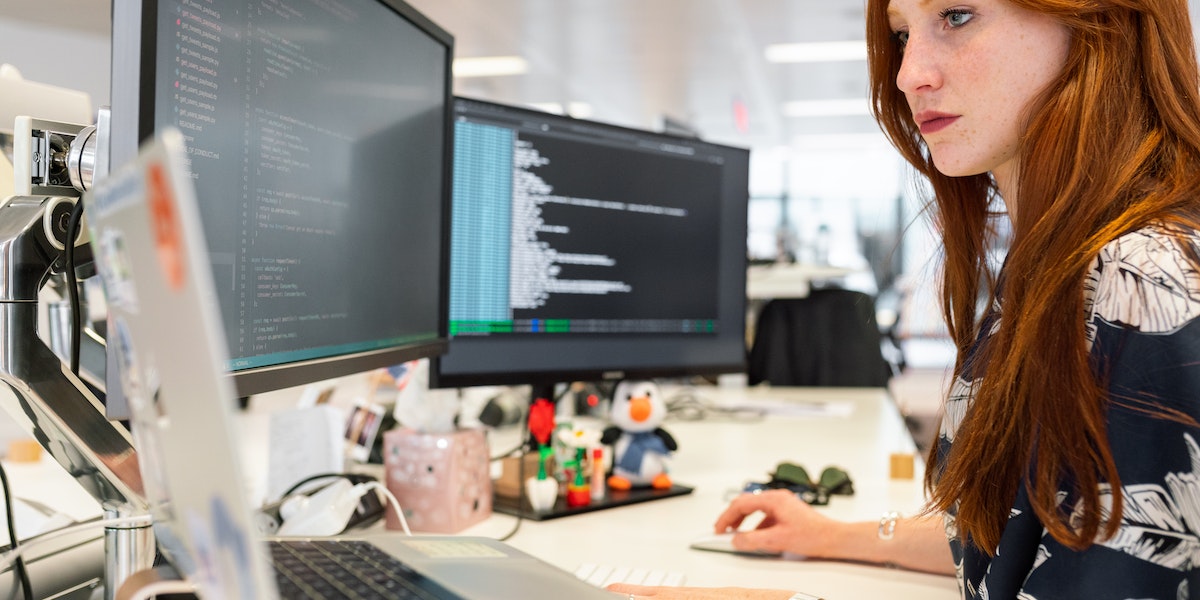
column 46, row 498
column 854, row 428
column 788, row 280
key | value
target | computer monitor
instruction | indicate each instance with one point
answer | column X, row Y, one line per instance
column 319, row 140
column 583, row 251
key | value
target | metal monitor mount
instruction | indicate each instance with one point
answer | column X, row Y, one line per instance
column 38, row 390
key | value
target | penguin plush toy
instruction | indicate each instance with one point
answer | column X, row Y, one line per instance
column 640, row 446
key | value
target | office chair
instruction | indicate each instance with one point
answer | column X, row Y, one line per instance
column 829, row 338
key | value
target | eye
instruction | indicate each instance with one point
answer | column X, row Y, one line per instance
column 901, row 38
column 956, row 17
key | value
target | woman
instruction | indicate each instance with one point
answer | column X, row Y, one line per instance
column 1068, row 464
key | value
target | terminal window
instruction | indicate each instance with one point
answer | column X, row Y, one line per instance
column 562, row 226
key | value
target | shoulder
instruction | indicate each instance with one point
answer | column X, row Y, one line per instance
column 1146, row 280
column 1151, row 239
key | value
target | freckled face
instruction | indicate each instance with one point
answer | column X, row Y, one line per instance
column 970, row 69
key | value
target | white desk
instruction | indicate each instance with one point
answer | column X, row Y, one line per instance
column 765, row 282
column 717, row 457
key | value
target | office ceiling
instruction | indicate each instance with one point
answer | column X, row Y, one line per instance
column 702, row 62
column 631, row 62
column 635, row 62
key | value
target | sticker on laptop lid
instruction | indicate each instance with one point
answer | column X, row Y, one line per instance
column 115, row 270
column 164, row 220
column 222, row 551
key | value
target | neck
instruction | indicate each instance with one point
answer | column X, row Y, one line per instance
column 1006, row 183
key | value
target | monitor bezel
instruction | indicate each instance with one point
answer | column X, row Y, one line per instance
column 441, row 379
column 133, row 88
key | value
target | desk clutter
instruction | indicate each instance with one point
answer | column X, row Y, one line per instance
column 583, row 465
column 793, row 477
column 441, row 479
column 441, row 472
column 576, row 454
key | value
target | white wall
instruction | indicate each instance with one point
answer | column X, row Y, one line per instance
column 63, row 57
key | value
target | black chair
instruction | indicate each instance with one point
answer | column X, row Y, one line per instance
column 829, row 338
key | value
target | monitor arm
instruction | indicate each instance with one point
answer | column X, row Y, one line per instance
column 38, row 389
column 52, row 403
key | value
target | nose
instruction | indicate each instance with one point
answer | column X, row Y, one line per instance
column 919, row 68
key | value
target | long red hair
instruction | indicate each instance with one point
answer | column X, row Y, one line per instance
column 1112, row 145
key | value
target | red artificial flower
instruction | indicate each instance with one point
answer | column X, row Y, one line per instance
column 541, row 420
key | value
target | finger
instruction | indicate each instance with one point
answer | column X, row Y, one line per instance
column 727, row 522
column 757, row 540
column 629, row 588
column 737, row 511
column 768, row 502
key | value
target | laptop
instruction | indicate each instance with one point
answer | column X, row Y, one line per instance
column 151, row 253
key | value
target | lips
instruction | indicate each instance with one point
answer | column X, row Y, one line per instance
column 930, row 121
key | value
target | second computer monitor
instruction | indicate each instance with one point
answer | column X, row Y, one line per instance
column 587, row 251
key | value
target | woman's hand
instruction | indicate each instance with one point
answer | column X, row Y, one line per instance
column 627, row 591
column 788, row 525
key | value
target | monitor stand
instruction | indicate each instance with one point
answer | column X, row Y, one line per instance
column 53, row 404
column 520, row 506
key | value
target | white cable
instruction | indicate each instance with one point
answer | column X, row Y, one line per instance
column 375, row 485
column 25, row 545
column 155, row 588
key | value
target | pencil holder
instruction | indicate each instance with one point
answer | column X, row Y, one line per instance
column 442, row 480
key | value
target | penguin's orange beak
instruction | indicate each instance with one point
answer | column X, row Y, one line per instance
column 639, row 408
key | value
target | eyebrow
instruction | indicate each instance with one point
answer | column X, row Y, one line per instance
column 892, row 13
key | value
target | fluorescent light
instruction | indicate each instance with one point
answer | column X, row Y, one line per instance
column 817, row 52
column 827, row 108
column 490, row 66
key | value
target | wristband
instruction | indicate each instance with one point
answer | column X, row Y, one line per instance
column 887, row 525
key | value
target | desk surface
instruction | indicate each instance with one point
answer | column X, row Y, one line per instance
column 856, row 429
column 717, row 458
column 793, row 280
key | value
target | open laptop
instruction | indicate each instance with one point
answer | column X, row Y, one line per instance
column 151, row 254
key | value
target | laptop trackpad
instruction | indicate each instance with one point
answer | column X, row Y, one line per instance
column 479, row 567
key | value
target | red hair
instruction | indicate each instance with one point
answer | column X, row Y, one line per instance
column 1112, row 145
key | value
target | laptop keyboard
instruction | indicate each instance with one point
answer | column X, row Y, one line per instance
column 350, row 569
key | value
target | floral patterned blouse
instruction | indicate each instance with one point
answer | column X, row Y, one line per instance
column 1142, row 297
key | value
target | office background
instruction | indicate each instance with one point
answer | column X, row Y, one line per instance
column 700, row 64
column 786, row 78
column 824, row 180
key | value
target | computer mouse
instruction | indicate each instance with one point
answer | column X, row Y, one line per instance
column 723, row 542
